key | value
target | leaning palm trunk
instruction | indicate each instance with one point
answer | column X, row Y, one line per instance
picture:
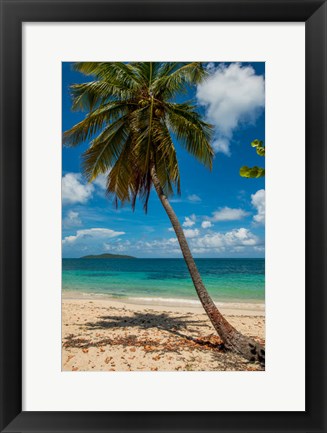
column 232, row 339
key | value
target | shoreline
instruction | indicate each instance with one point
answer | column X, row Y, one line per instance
column 239, row 307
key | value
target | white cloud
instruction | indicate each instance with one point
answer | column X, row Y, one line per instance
column 259, row 248
column 90, row 236
column 258, row 200
column 198, row 250
column 221, row 145
column 239, row 249
column 230, row 241
column 194, row 198
column 191, row 233
column 74, row 190
column 240, row 236
column 189, row 221
column 164, row 247
column 238, row 240
column 210, row 244
column 206, row 224
column 118, row 246
column 232, row 95
column 71, row 220
column 101, row 180
column 228, row 214
column 210, row 66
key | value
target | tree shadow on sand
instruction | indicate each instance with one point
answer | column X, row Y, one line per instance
column 176, row 326
column 146, row 321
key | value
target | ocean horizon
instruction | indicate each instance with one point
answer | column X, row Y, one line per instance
column 158, row 280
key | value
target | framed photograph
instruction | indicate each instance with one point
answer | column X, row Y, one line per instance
column 163, row 248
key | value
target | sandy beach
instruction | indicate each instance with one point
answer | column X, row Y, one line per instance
column 109, row 335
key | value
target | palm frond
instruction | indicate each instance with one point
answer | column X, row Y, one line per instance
column 147, row 71
column 141, row 123
column 191, row 131
column 165, row 159
column 105, row 149
column 179, row 80
column 87, row 96
column 167, row 68
column 119, row 178
column 95, row 121
column 111, row 72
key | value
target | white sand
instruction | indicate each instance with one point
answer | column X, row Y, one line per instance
column 109, row 335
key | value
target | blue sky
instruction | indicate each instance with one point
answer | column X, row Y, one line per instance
column 222, row 213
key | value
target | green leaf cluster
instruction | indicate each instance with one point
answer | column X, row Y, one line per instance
column 260, row 148
column 254, row 172
column 131, row 119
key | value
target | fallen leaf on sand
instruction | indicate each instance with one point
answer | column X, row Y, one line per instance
column 70, row 357
column 85, row 350
column 74, row 368
column 108, row 359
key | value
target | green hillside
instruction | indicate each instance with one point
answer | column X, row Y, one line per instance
column 108, row 256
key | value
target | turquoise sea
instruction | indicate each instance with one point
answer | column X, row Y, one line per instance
column 165, row 280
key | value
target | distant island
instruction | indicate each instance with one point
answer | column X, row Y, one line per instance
column 108, row 256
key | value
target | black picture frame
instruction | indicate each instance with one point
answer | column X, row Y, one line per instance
column 13, row 14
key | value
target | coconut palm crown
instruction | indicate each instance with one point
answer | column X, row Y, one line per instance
column 132, row 119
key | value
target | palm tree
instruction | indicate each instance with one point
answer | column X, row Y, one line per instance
column 132, row 119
